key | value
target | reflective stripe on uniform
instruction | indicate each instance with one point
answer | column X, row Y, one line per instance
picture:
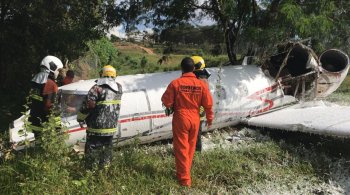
column 102, row 131
column 37, row 97
column 201, row 110
column 81, row 116
column 108, row 102
column 202, row 113
column 35, row 128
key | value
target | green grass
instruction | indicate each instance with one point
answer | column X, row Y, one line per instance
column 242, row 167
column 131, row 63
column 342, row 94
column 345, row 86
column 130, row 59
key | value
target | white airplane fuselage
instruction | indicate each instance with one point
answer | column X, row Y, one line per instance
column 238, row 92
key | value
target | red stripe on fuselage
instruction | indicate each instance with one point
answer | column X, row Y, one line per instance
column 253, row 96
column 142, row 118
column 75, row 130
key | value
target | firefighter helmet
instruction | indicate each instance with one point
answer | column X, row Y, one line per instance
column 109, row 71
column 199, row 63
column 53, row 64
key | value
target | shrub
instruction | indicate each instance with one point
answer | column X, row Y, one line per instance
column 105, row 51
column 143, row 62
column 114, row 38
column 216, row 50
column 169, row 49
column 215, row 61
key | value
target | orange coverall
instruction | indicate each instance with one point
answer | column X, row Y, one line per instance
column 185, row 95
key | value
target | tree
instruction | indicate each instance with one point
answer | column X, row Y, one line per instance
column 257, row 24
column 114, row 38
column 181, row 33
column 232, row 16
column 105, row 51
column 31, row 30
column 188, row 34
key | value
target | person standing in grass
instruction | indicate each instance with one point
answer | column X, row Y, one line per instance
column 43, row 94
column 185, row 96
column 203, row 75
column 100, row 111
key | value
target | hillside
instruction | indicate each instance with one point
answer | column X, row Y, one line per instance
column 133, row 47
column 128, row 57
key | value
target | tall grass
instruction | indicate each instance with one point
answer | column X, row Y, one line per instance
column 342, row 94
column 242, row 167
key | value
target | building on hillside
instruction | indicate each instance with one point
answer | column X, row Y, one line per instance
column 140, row 37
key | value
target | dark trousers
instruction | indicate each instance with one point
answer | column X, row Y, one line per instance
column 199, row 138
column 37, row 122
column 98, row 151
column 37, row 134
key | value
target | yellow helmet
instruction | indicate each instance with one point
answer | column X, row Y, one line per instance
column 199, row 63
column 109, row 71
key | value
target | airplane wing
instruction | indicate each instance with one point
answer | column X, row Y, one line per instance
column 312, row 117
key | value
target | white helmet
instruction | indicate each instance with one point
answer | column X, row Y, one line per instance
column 53, row 64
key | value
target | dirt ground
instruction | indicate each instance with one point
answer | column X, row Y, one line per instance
column 132, row 46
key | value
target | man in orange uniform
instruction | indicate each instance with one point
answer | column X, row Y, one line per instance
column 185, row 96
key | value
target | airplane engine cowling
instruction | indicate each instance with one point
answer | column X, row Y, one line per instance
column 334, row 68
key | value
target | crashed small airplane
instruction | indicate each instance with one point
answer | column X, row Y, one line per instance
column 281, row 93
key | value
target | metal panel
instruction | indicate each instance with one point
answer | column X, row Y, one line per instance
column 133, row 114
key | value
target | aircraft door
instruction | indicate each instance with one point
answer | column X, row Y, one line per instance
column 133, row 118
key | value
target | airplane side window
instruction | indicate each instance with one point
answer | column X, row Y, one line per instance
column 70, row 104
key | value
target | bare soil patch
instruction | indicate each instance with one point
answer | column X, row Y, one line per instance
column 132, row 46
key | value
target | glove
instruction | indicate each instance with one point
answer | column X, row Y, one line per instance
column 82, row 124
column 168, row 111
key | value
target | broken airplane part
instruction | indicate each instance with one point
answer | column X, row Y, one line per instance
column 264, row 96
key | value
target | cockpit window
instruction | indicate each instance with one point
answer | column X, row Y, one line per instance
column 71, row 103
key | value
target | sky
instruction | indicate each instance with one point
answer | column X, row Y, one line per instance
column 120, row 30
column 206, row 21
